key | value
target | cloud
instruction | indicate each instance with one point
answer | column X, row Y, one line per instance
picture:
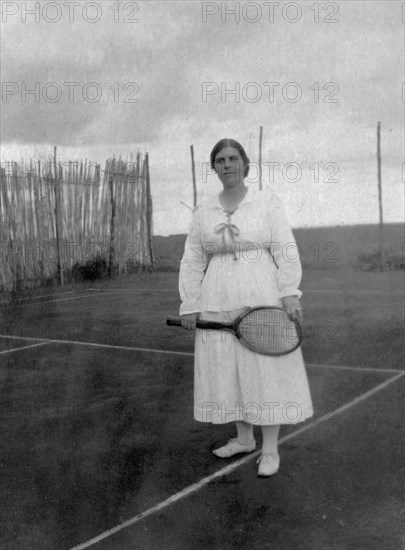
column 170, row 53
column 139, row 71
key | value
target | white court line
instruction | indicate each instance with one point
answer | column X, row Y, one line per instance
column 348, row 367
column 129, row 290
column 37, row 297
column 24, row 347
column 228, row 469
column 318, row 291
column 94, row 344
column 352, row 291
column 171, row 352
column 78, row 297
column 107, row 289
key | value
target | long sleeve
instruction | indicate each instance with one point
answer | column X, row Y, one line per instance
column 285, row 252
column 192, row 266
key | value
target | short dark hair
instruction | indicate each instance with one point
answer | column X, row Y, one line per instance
column 227, row 142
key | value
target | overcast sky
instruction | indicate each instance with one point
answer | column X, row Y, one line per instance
column 336, row 70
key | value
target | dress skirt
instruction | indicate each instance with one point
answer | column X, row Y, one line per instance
column 232, row 382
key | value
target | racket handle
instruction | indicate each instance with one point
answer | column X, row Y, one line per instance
column 201, row 323
column 173, row 321
column 211, row 325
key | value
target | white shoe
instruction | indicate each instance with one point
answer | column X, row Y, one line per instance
column 233, row 447
column 269, row 464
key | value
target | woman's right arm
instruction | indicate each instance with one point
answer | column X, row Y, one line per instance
column 192, row 266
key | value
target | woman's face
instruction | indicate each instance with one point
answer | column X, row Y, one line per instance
column 229, row 167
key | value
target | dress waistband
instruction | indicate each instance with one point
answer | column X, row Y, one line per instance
column 238, row 249
column 247, row 254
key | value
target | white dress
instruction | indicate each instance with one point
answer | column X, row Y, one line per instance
column 225, row 268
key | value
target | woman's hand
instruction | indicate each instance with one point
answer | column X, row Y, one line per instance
column 293, row 308
column 189, row 320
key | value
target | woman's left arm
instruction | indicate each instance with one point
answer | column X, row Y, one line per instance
column 286, row 255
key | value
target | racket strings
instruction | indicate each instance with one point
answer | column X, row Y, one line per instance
column 269, row 331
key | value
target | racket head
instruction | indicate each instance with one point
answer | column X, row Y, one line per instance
column 269, row 331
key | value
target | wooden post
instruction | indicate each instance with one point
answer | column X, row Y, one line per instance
column 57, row 218
column 149, row 214
column 260, row 157
column 111, row 257
column 381, row 227
column 193, row 172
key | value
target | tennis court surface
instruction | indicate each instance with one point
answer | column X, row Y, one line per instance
column 100, row 450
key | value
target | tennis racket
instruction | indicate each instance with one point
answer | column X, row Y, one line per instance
column 265, row 330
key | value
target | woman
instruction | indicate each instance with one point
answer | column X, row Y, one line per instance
column 240, row 252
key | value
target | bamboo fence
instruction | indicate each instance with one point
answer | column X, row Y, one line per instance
column 56, row 215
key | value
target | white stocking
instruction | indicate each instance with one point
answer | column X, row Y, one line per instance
column 245, row 432
column 270, row 437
